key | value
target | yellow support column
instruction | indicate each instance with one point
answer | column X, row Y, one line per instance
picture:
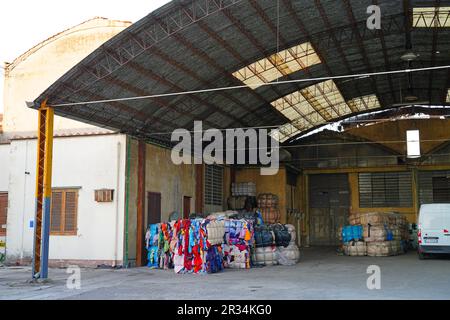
column 43, row 191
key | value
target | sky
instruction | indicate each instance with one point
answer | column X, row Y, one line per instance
column 25, row 23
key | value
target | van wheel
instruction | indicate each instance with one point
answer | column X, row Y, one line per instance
column 421, row 256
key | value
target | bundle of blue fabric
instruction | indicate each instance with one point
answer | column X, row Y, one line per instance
column 214, row 259
column 153, row 246
column 350, row 233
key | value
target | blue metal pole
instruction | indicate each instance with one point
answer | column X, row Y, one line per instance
column 45, row 238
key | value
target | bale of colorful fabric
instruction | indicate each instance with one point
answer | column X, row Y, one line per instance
column 239, row 237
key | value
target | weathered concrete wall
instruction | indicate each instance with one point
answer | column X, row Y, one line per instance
column 33, row 72
column 90, row 163
column 275, row 184
column 172, row 181
column 430, row 129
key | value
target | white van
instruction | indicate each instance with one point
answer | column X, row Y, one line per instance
column 433, row 229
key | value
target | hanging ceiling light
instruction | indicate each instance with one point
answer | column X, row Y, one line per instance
column 409, row 56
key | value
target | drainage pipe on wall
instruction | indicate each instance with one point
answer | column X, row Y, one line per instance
column 116, row 247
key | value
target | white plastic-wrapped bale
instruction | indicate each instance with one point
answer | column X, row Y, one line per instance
column 216, row 232
column 288, row 256
column 291, row 230
column 265, row 256
column 222, row 215
column 291, row 254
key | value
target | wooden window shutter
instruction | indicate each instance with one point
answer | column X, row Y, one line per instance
column 63, row 217
column 70, row 218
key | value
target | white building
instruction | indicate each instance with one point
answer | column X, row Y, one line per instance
column 86, row 159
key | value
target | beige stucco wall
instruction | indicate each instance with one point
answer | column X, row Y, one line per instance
column 275, row 184
column 33, row 72
column 172, row 181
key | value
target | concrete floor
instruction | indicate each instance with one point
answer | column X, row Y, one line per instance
column 321, row 274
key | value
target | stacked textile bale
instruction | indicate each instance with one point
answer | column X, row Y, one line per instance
column 265, row 256
column 191, row 247
column 237, row 202
column 243, row 196
column 216, row 231
column 268, row 207
column 264, row 249
column 352, row 237
column 275, row 244
column 152, row 246
column 382, row 232
column 239, row 236
column 243, row 189
column 185, row 246
column 355, row 248
column 164, row 242
column 291, row 254
column 222, row 215
column 383, row 248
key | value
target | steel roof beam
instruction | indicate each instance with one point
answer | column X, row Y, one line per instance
column 437, row 4
column 260, row 48
column 385, row 57
column 337, row 45
column 159, row 101
column 362, row 50
column 196, row 77
column 155, row 30
column 150, row 74
column 314, row 104
column 210, row 61
column 301, row 26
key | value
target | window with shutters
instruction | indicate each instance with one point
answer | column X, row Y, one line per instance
column 441, row 189
column 385, row 189
column 63, row 218
column 213, row 185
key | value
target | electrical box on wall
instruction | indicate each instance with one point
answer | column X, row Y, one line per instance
column 104, row 195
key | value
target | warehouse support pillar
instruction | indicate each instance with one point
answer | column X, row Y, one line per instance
column 43, row 191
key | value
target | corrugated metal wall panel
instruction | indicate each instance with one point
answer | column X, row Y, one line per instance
column 329, row 201
column 434, row 187
column 385, row 189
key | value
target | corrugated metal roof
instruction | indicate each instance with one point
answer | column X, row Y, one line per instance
column 198, row 44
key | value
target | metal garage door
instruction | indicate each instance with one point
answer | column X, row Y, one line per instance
column 434, row 187
column 329, row 202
